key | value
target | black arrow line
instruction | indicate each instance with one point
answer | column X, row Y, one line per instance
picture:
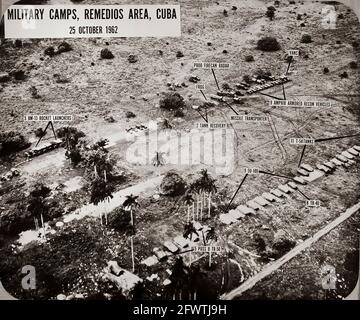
column 213, row 72
column 238, row 189
column 202, row 92
column 205, row 119
column 231, row 107
column 283, row 87
column 275, row 175
column 307, row 198
column 288, row 68
column 302, row 155
column 268, row 95
column 181, row 252
column 337, row 138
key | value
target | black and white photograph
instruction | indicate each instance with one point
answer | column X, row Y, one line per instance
column 179, row 150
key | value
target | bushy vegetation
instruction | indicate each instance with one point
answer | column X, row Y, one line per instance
column 268, row 44
column 24, row 210
column 11, row 142
column 270, row 13
column 172, row 184
column 172, row 101
column 66, row 258
column 249, row 58
column 306, row 38
column 106, row 54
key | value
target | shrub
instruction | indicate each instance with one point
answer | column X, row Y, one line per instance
column 70, row 134
column 34, row 92
column 225, row 86
column 39, row 132
column 179, row 54
column 306, row 38
column 353, row 65
column 262, row 74
column 172, row 101
column 64, row 47
column 130, row 114
column 326, row 70
column 18, row 43
column 270, row 13
column 132, row 58
column 119, row 220
column 249, row 58
column 50, row 51
column 106, row 54
column 282, row 246
column 172, row 184
column 74, row 156
column 268, row 44
column 11, row 142
column 247, row 78
column 179, row 113
column 19, row 75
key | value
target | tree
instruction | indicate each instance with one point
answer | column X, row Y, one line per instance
column 270, row 13
column 166, row 124
column 178, row 277
column 196, row 281
column 172, row 101
column 204, row 184
column 98, row 160
column 70, row 135
column 189, row 202
column 158, row 159
column 306, row 38
column 100, row 191
column 72, row 138
column 268, row 44
column 37, row 204
column 211, row 235
column 11, row 142
column 189, row 231
column 172, row 184
column 130, row 202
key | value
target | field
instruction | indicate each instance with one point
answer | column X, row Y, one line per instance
column 100, row 93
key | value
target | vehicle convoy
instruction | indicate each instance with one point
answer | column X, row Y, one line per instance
column 47, row 146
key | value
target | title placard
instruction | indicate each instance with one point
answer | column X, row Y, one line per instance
column 81, row 21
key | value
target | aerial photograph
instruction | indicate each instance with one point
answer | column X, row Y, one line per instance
column 221, row 164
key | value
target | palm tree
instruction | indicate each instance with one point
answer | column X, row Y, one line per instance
column 196, row 281
column 101, row 190
column 210, row 189
column 158, row 160
column 205, row 183
column 211, row 235
column 131, row 202
column 189, row 201
column 166, row 124
column 37, row 204
column 178, row 277
column 189, row 230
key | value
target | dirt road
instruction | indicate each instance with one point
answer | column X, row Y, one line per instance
column 291, row 254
